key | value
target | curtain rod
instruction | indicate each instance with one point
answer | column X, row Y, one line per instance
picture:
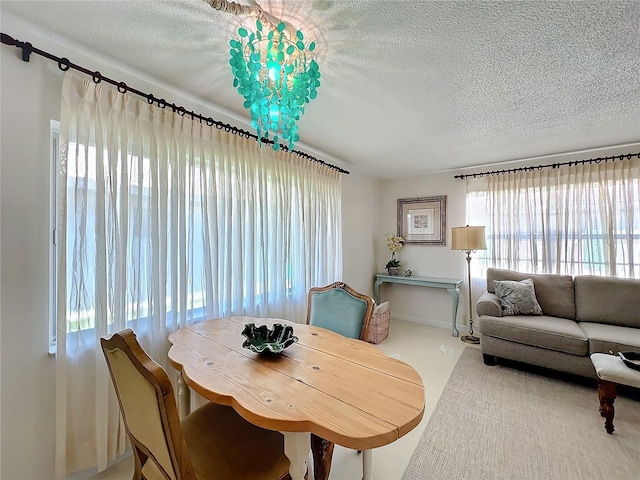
column 64, row 64
column 572, row 163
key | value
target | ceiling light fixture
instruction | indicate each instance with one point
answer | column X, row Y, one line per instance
column 274, row 70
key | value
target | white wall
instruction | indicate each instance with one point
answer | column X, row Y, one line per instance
column 28, row 101
column 421, row 304
column 30, row 97
column 360, row 223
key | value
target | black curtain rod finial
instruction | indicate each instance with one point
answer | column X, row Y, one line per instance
column 9, row 40
column 26, row 47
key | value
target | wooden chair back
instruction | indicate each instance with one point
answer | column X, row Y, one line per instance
column 339, row 308
column 148, row 408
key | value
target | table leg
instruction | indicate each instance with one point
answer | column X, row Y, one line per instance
column 296, row 447
column 607, row 395
column 322, row 451
column 367, row 460
column 184, row 397
column 455, row 294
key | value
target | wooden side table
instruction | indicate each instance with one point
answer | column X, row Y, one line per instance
column 611, row 371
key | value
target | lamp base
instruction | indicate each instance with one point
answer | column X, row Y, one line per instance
column 470, row 339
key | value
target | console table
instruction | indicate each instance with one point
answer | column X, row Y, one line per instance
column 451, row 284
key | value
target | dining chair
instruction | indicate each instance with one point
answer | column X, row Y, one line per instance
column 339, row 308
column 213, row 442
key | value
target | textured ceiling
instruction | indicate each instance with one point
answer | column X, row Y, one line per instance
column 408, row 87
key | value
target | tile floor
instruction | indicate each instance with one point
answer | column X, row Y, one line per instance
column 433, row 352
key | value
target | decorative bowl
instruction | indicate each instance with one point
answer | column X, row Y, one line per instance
column 262, row 339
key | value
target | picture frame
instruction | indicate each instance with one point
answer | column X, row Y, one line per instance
column 423, row 220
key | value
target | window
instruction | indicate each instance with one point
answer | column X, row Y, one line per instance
column 213, row 231
column 580, row 220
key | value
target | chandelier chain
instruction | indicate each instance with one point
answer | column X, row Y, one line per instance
column 235, row 8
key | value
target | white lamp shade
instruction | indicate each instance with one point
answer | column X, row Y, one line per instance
column 468, row 238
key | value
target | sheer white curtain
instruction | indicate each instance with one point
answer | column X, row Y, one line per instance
column 163, row 221
column 572, row 220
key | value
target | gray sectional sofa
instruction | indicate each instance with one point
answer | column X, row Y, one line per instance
column 580, row 316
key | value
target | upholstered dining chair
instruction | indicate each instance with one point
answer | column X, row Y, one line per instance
column 339, row 308
column 213, row 442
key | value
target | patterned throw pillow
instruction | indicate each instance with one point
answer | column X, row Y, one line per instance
column 517, row 298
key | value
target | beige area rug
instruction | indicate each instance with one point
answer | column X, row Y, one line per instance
column 509, row 423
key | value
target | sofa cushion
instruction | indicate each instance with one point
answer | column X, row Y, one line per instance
column 552, row 333
column 554, row 293
column 517, row 298
column 604, row 338
column 610, row 300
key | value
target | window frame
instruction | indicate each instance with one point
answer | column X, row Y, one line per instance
column 54, row 157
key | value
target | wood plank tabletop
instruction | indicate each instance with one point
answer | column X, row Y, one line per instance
column 341, row 389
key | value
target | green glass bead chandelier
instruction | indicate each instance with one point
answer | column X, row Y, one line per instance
column 277, row 75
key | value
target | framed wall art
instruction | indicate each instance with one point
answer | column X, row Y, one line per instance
column 423, row 221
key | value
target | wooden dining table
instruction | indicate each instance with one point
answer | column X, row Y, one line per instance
column 341, row 389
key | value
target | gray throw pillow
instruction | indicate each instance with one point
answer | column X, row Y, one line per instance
column 517, row 298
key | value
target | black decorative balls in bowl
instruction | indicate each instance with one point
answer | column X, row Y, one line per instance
column 263, row 339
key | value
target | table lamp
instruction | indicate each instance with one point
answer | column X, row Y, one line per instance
column 466, row 240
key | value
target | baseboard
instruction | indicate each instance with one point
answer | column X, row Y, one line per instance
column 428, row 321
column 92, row 472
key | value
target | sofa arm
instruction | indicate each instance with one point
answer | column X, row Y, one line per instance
column 489, row 304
